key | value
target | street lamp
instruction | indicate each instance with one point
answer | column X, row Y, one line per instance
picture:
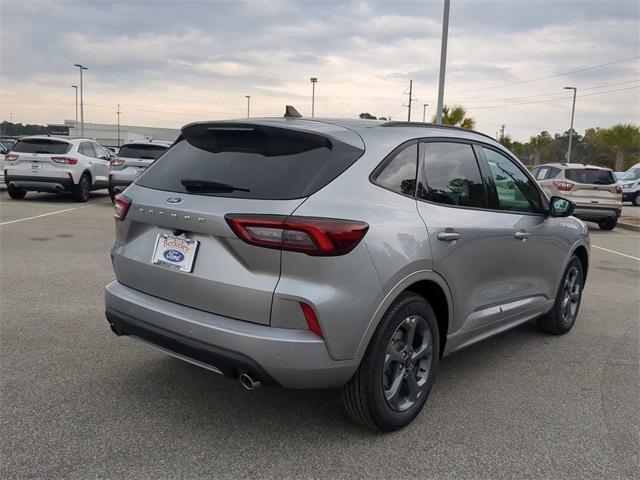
column 443, row 60
column 314, row 80
column 76, row 124
column 81, row 67
column 573, row 110
column 248, row 97
column 424, row 111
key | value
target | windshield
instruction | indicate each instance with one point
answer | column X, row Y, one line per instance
column 41, row 145
column 150, row 152
column 632, row 174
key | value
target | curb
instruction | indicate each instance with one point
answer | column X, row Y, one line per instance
column 628, row 226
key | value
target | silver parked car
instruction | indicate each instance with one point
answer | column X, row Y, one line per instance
column 132, row 159
column 335, row 253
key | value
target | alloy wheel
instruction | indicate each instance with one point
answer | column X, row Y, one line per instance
column 407, row 363
column 571, row 295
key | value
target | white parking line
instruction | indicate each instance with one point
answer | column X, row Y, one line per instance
column 50, row 213
column 617, row 253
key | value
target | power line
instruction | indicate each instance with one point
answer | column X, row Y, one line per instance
column 578, row 70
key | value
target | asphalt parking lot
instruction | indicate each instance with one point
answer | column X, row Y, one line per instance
column 78, row 402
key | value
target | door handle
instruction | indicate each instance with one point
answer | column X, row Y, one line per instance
column 448, row 236
column 521, row 235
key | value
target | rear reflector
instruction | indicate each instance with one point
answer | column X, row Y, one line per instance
column 312, row 320
column 11, row 157
column 121, row 206
column 563, row 186
column 310, row 235
column 65, row 160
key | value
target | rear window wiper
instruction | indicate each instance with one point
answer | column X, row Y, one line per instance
column 195, row 185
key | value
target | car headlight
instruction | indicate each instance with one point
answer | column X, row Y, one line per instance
column 627, row 185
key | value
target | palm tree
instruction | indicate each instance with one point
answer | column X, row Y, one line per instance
column 456, row 116
column 623, row 139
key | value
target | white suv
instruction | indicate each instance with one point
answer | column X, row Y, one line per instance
column 47, row 164
column 631, row 185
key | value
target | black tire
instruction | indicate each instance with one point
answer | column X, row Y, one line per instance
column 636, row 200
column 16, row 193
column 82, row 190
column 608, row 223
column 364, row 395
column 557, row 322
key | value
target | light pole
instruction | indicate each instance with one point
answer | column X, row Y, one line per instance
column 118, row 112
column 10, row 117
column 443, row 60
column 248, row 97
column 424, row 111
column 314, row 80
column 76, row 124
column 573, row 111
column 81, row 67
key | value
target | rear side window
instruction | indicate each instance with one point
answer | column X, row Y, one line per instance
column 41, row 145
column 545, row 173
column 450, row 176
column 399, row 175
column 86, row 149
column 146, row 152
column 249, row 161
column 591, row 176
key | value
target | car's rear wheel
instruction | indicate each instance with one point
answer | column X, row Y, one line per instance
column 563, row 315
column 398, row 369
column 608, row 223
column 82, row 190
column 636, row 200
column 16, row 193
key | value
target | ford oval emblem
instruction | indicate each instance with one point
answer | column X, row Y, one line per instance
column 173, row 256
column 174, row 200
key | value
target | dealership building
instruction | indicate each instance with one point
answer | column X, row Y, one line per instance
column 107, row 135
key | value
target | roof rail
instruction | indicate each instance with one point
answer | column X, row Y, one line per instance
column 434, row 125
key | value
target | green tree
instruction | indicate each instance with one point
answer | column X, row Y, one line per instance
column 624, row 140
column 367, row 116
column 456, row 115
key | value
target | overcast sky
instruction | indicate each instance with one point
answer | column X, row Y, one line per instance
column 168, row 63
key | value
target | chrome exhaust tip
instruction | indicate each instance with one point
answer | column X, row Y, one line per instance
column 248, row 382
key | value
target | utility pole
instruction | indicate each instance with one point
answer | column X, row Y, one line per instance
column 81, row 67
column 314, row 80
column 410, row 100
column 248, row 97
column 11, row 117
column 502, row 131
column 75, row 87
column 118, row 112
column 573, row 111
column 443, row 60
column 424, row 111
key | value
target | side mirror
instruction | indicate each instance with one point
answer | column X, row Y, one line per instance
column 561, row 207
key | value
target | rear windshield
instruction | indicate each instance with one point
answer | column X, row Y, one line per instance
column 41, row 145
column 590, row 175
column 150, row 152
column 249, row 162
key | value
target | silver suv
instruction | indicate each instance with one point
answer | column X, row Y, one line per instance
column 333, row 253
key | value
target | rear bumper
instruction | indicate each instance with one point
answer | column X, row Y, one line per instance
column 279, row 356
column 596, row 213
column 118, row 185
column 40, row 184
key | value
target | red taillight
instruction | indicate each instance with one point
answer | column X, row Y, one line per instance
column 312, row 320
column 563, row 186
column 11, row 157
column 310, row 235
column 121, row 206
column 618, row 189
column 65, row 160
column 116, row 162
